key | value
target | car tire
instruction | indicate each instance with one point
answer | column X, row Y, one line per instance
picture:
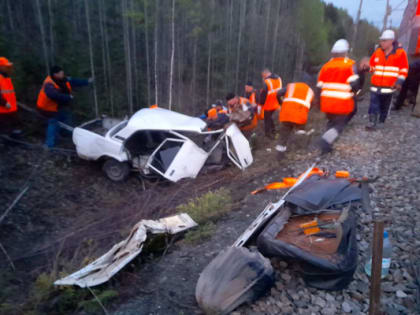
column 115, row 170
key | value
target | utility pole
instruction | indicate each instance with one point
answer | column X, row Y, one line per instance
column 356, row 26
column 387, row 13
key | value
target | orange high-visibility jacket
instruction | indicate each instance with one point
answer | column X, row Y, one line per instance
column 296, row 103
column 388, row 70
column 7, row 93
column 44, row 102
column 253, row 124
column 273, row 86
column 252, row 99
column 334, row 80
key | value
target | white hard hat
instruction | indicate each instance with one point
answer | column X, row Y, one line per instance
column 340, row 46
column 387, row 34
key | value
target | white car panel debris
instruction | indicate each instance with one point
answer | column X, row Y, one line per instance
column 162, row 119
column 238, row 147
column 158, row 142
column 102, row 269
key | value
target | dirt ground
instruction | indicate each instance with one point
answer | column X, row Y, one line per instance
column 72, row 214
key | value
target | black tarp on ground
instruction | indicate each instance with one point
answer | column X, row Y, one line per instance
column 315, row 195
column 332, row 273
column 234, row 277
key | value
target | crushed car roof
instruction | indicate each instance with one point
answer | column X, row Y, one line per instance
column 163, row 119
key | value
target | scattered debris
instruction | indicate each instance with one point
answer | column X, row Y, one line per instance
column 234, row 277
column 286, row 183
column 102, row 269
column 327, row 255
column 237, row 275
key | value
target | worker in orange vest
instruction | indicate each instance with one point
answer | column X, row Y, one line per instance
column 389, row 65
column 217, row 116
column 8, row 104
column 54, row 100
column 251, row 94
column 294, row 111
column 241, row 112
column 268, row 97
column 337, row 83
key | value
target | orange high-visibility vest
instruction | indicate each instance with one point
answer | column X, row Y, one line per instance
column 387, row 70
column 253, row 99
column 296, row 103
column 213, row 113
column 334, row 80
column 252, row 125
column 273, row 86
column 8, row 93
column 260, row 112
column 44, row 102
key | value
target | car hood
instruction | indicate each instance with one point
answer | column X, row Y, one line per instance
column 163, row 119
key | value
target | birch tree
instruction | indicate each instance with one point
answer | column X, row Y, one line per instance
column 127, row 56
column 238, row 54
column 156, row 51
column 44, row 43
column 171, row 74
column 51, row 24
column 92, row 66
column 10, row 14
column 146, row 39
column 276, row 34
column 210, row 43
column 267, row 25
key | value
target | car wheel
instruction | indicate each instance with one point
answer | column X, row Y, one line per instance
column 115, row 170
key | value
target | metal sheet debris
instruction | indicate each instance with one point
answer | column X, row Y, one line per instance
column 102, row 269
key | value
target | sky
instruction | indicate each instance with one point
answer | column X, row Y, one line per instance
column 373, row 10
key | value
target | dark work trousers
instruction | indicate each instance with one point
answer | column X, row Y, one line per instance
column 286, row 129
column 8, row 122
column 379, row 105
column 268, row 123
column 353, row 113
column 335, row 126
column 410, row 84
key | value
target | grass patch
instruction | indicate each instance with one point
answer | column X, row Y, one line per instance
column 209, row 206
column 45, row 298
column 205, row 210
column 201, row 233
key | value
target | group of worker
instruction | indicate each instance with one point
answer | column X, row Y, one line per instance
column 53, row 100
column 292, row 101
column 339, row 82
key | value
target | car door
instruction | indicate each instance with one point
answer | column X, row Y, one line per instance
column 177, row 158
column 238, row 148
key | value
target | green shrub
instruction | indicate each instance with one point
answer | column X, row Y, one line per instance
column 200, row 234
column 208, row 207
column 205, row 210
column 45, row 298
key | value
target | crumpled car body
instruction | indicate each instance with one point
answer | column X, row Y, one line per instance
column 160, row 142
column 106, row 266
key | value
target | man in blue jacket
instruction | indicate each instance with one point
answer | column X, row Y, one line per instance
column 54, row 101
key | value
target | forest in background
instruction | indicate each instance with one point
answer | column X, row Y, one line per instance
column 181, row 54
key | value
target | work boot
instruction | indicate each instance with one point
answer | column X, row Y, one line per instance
column 324, row 146
column 373, row 119
column 380, row 126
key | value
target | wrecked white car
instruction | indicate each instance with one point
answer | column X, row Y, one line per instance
column 159, row 142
